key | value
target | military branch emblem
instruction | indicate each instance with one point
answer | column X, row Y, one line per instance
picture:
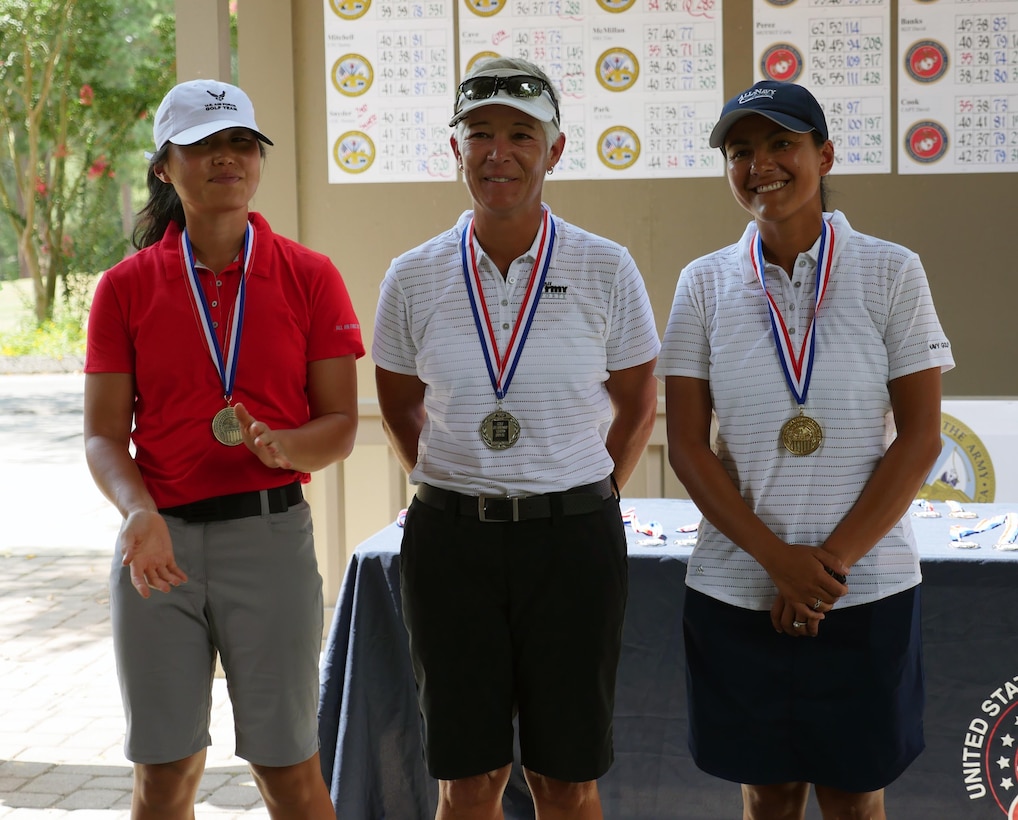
column 781, row 62
column 616, row 6
column 352, row 75
column 926, row 141
column 618, row 148
column 617, row 69
column 485, row 8
column 989, row 754
column 354, row 152
column 350, row 9
column 964, row 471
column 926, row 61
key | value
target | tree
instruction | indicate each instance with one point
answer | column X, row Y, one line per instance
column 79, row 80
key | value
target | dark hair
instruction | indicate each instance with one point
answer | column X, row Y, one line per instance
column 163, row 204
column 819, row 140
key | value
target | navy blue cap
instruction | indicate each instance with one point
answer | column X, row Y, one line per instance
column 789, row 105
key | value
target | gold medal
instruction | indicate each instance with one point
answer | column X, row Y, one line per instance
column 226, row 427
column 801, row 435
column 500, row 430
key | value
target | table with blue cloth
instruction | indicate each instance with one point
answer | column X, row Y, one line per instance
column 370, row 728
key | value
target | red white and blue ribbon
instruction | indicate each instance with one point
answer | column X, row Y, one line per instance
column 958, row 511
column 1008, row 539
column 961, row 533
column 924, row 509
column 502, row 368
column 798, row 368
column 225, row 361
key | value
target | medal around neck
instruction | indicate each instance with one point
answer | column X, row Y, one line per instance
column 226, row 427
column 500, row 430
column 801, row 435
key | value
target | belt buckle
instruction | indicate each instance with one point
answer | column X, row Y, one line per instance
column 481, row 511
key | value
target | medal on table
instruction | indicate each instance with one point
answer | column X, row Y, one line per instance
column 500, row 430
column 225, row 424
column 801, row 435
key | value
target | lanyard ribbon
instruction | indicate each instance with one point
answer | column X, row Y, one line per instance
column 796, row 375
column 225, row 366
column 502, row 368
column 1009, row 537
column 961, row 531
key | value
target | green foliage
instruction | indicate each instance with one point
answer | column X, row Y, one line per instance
column 79, row 82
column 54, row 339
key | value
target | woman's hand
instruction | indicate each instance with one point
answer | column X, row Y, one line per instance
column 144, row 541
column 262, row 440
column 806, row 588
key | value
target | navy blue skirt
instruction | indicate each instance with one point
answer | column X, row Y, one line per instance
column 843, row 710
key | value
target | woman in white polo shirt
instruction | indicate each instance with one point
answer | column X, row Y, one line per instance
column 802, row 610
column 515, row 370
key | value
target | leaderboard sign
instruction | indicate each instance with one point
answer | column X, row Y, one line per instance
column 641, row 81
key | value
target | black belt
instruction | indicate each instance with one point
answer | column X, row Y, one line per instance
column 577, row 501
column 237, row 505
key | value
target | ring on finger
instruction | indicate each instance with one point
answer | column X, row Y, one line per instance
column 798, row 624
column 817, row 605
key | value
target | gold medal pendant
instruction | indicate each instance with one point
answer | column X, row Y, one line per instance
column 801, row 435
column 226, row 427
column 500, row 430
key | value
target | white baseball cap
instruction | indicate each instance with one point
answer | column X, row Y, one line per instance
column 196, row 109
column 542, row 106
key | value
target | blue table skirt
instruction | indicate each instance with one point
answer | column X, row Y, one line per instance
column 370, row 729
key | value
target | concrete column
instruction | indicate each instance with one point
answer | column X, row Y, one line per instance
column 203, row 40
column 265, row 61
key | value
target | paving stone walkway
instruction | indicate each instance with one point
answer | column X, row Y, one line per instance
column 61, row 722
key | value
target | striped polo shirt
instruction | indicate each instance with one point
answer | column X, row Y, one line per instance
column 876, row 323
column 593, row 317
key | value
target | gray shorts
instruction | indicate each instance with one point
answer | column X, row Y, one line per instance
column 254, row 595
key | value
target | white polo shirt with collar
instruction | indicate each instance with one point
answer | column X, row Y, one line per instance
column 594, row 316
column 876, row 323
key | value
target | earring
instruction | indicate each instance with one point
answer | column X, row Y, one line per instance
column 551, row 170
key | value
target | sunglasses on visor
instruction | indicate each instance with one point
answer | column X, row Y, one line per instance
column 521, row 86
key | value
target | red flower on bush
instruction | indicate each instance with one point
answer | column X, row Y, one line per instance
column 98, row 168
column 86, row 94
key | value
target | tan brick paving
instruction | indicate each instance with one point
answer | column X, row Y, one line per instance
column 61, row 724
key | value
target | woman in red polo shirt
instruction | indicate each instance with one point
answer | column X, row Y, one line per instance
column 224, row 354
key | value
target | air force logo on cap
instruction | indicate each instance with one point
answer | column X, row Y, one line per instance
column 194, row 110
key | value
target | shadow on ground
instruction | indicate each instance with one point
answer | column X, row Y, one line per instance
column 222, row 787
column 45, row 596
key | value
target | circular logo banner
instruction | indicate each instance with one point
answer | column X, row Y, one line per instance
column 926, row 141
column 781, row 62
column 926, row 61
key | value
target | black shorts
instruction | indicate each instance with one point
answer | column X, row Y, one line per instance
column 844, row 709
column 515, row 617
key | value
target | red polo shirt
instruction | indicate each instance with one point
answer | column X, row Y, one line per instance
column 144, row 321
